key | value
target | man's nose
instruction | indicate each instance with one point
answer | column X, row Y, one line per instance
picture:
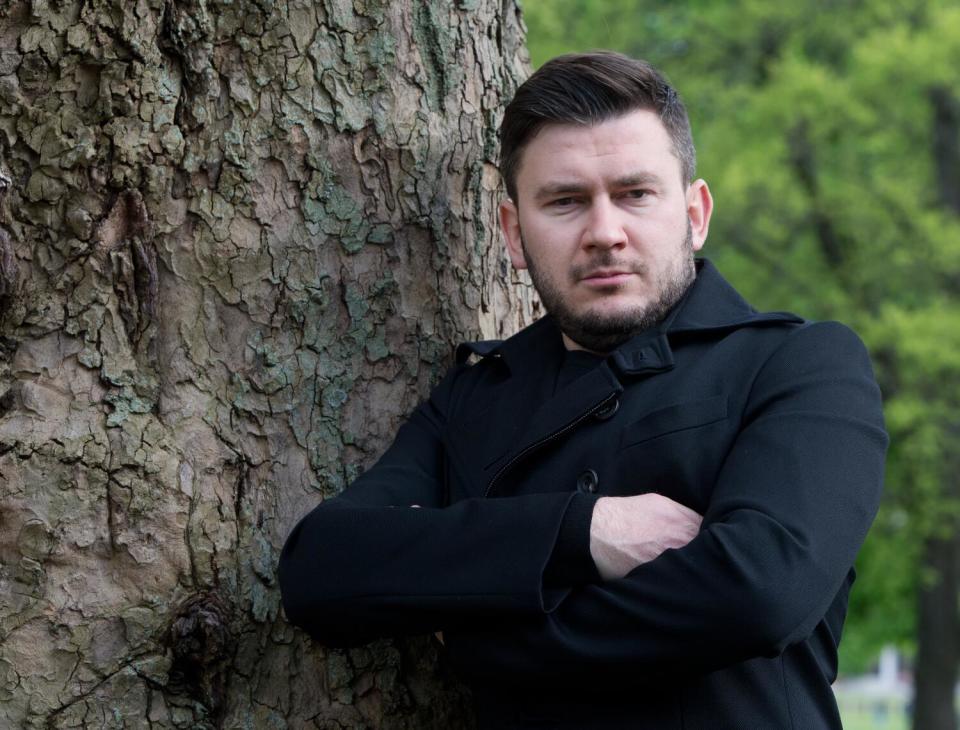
column 604, row 227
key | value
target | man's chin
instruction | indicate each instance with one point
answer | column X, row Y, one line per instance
column 611, row 317
column 603, row 329
column 601, row 333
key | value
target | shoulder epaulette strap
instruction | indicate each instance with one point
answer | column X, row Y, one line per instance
column 483, row 348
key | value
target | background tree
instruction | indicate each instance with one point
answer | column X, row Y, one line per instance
column 830, row 135
column 237, row 241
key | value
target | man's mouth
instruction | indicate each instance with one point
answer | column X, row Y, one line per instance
column 606, row 277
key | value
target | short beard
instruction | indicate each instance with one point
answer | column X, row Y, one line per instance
column 603, row 333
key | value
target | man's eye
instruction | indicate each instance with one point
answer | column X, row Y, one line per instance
column 636, row 194
column 563, row 202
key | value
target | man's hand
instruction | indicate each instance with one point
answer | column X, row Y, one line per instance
column 629, row 531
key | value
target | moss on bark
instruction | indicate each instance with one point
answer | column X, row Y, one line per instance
column 237, row 242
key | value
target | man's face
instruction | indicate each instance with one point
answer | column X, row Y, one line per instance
column 605, row 226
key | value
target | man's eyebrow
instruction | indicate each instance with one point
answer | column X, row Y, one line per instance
column 637, row 178
column 558, row 188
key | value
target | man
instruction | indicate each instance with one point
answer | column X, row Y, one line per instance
column 641, row 511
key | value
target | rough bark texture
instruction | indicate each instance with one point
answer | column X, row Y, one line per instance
column 237, row 241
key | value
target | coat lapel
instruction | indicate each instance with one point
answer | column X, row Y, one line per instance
column 557, row 414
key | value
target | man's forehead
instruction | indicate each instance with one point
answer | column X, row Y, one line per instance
column 640, row 121
column 628, row 144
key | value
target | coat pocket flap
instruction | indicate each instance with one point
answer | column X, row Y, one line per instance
column 677, row 417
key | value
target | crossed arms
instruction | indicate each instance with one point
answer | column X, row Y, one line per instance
column 788, row 512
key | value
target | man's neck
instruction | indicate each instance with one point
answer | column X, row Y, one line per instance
column 571, row 345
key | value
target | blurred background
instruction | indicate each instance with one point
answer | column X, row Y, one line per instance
column 829, row 132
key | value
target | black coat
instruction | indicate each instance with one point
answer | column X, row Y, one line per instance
column 768, row 425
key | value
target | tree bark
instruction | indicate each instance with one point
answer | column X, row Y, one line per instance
column 238, row 239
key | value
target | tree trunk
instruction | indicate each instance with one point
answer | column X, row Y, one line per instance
column 946, row 146
column 938, row 638
column 237, row 241
column 938, row 616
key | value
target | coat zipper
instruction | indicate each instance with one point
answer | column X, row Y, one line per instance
column 550, row 437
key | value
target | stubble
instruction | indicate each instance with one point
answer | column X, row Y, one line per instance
column 599, row 332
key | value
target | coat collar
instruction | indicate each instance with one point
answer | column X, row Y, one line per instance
column 710, row 304
column 534, row 355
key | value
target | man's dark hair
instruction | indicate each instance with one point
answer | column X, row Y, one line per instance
column 587, row 88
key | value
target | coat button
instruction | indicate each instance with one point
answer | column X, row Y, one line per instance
column 587, row 481
column 607, row 410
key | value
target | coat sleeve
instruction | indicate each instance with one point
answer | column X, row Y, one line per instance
column 789, row 510
column 366, row 564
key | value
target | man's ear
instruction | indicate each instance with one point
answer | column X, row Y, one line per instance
column 510, row 225
column 699, row 209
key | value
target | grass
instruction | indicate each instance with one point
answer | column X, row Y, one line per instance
column 863, row 714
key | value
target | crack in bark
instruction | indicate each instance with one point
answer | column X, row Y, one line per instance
column 111, row 520
column 52, row 716
column 9, row 271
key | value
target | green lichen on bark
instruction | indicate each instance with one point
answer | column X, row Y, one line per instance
column 238, row 239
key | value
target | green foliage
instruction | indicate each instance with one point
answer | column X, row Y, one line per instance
column 816, row 127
